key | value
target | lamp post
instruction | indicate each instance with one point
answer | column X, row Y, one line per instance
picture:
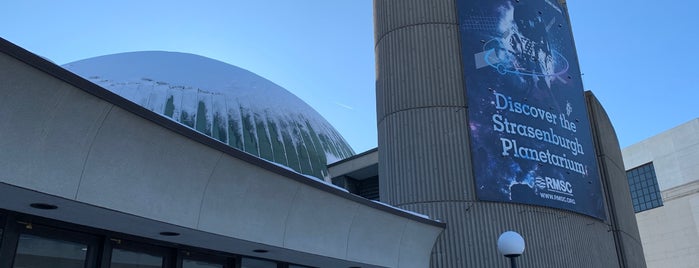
column 511, row 244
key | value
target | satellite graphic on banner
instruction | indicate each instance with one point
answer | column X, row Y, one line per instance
column 530, row 134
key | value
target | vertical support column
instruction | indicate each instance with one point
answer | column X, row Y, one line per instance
column 621, row 214
column 422, row 117
column 8, row 241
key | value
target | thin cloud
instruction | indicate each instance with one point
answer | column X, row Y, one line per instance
column 344, row 106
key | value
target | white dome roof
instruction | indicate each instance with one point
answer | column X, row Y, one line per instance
column 227, row 103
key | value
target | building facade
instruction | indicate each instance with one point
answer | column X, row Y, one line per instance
column 87, row 177
column 90, row 179
column 662, row 172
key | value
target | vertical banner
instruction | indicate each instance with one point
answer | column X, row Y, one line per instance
column 530, row 133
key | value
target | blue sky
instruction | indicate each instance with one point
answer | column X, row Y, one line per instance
column 639, row 58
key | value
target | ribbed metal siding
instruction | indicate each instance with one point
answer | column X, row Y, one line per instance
column 397, row 14
column 424, row 156
column 554, row 238
column 415, row 71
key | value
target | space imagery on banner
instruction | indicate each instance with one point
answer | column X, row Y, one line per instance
column 531, row 140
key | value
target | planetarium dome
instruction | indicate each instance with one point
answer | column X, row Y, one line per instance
column 227, row 103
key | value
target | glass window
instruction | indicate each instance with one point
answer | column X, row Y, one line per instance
column 643, row 185
column 122, row 258
column 2, row 225
column 255, row 263
column 186, row 263
column 36, row 252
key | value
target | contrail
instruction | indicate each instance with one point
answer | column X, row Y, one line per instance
column 344, row 106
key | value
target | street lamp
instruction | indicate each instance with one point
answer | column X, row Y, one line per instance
column 511, row 244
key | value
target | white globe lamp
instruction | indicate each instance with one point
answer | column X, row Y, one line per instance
column 511, row 245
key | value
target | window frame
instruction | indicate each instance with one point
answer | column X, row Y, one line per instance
column 240, row 261
column 101, row 242
column 111, row 243
column 54, row 233
column 643, row 185
column 224, row 260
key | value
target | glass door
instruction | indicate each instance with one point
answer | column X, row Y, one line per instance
column 39, row 247
column 36, row 251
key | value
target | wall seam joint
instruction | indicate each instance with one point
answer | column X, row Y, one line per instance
column 419, row 108
column 89, row 151
column 378, row 40
column 206, row 188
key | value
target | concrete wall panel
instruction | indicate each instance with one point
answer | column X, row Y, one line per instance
column 674, row 153
column 669, row 233
column 243, row 201
column 671, row 243
column 327, row 232
column 636, row 156
column 688, row 159
column 684, row 136
column 415, row 250
column 380, row 230
column 47, row 133
column 667, row 170
column 142, row 169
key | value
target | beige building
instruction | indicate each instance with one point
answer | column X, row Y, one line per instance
column 663, row 174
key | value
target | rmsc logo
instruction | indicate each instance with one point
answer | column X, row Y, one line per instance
column 554, row 185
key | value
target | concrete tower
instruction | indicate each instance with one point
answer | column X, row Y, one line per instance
column 425, row 153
